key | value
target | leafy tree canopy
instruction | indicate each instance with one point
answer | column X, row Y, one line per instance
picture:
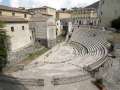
column 3, row 49
column 116, row 24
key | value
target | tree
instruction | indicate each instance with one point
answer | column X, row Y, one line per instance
column 3, row 48
column 116, row 24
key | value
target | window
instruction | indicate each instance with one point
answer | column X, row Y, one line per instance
column 23, row 28
column 116, row 12
column 25, row 15
column 30, row 37
column 79, row 22
column 12, row 29
column 57, row 24
column 101, row 13
column 0, row 13
column 13, row 13
column 103, row 2
column 39, row 41
column 100, row 21
column 32, row 32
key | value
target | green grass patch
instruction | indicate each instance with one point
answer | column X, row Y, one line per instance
column 33, row 56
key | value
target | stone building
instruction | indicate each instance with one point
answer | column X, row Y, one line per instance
column 109, row 10
column 85, row 16
column 17, row 28
column 44, row 10
column 43, row 29
column 60, row 15
column 66, row 26
column 43, row 26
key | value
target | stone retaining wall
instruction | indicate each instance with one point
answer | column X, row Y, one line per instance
column 15, row 57
column 103, row 70
column 117, row 49
column 69, row 80
column 51, row 43
column 17, row 81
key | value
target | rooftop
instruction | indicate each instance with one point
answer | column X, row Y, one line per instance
column 44, row 7
column 12, row 19
column 2, row 7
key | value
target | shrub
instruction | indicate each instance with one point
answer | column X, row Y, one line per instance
column 116, row 24
column 3, row 48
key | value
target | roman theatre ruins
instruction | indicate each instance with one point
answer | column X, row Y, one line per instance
column 71, row 65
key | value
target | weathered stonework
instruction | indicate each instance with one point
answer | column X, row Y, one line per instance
column 51, row 43
column 15, row 57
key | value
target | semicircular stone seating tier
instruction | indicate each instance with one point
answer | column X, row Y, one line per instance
column 71, row 61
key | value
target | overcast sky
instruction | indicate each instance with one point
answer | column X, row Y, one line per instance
column 52, row 3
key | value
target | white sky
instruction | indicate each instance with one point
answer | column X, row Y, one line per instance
column 52, row 3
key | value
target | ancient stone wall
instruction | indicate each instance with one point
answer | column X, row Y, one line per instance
column 15, row 57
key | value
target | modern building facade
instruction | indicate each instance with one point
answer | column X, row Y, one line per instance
column 43, row 29
column 17, row 28
column 109, row 10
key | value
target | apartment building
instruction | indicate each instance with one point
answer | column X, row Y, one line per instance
column 85, row 16
column 17, row 28
column 109, row 10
